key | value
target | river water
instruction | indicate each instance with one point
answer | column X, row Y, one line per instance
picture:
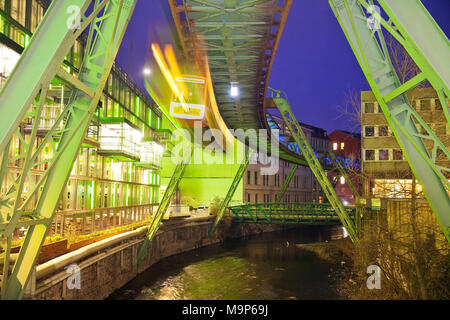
column 269, row 266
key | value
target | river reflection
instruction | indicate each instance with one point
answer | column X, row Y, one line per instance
column 267, row 266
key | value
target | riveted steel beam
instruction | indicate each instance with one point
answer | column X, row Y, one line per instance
column 430, row 49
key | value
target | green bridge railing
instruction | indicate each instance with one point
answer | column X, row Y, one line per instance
column 298, row 212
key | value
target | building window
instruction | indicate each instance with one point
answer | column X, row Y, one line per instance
column 369, row 131
column 256, row 177
column 342, row 180
column 437, row 104
column 425, row 105
column 370, row 155
column 383, row 155
column 383, row 131
column 249, row 174
column 335, row 145
column 248, row 197
column 256, row 198
column 369, row 107
column 440, row 129
column 342, row 145
column 397, row 154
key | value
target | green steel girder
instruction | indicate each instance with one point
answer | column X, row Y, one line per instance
column 107, row 24
column 20, row 91
column 162, row 208
column 287, row 182
column 314, row 164
column 237, row 179
column 237, row 36
column 430, row 49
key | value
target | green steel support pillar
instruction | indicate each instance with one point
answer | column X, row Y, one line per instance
column 165, row 202
column 314, row 164
column 413, row 27
column 234, row 185
column 287, row 182
column 109, row 20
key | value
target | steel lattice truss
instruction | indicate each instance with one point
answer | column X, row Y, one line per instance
column 239, row 38
column 22, row 99
column 430, row 49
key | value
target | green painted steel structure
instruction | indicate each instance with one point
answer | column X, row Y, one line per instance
column 430, row 49
column 299, row 136
column 107, row 23
column 162, row 208
column 295, row 213
column 230, row 193
column 287, row 181
column 240, row 47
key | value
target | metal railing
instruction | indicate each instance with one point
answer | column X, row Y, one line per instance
column 80, row 222
column 298, row 212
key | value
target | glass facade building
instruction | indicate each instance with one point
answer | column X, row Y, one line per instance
column 109, row 185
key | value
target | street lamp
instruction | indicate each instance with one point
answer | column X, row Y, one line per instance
column 234, row 90
column 147, row 71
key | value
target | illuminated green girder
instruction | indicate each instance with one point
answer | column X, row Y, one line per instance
column 162, row 208
column 414, row 28
column 109, row 20
column 287, row 181
column 314, row 164
column 231, row 191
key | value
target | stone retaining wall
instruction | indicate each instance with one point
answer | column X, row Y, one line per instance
column 109, row 269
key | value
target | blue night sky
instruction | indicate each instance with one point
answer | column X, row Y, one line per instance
column 314, row 64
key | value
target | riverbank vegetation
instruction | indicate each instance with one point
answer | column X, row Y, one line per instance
column 406, row 243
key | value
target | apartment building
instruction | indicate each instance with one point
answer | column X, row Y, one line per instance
column 115, row 179
column 303, row 186
column 383, row 162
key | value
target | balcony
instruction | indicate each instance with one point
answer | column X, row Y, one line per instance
column 151, row 154
column 120, row 139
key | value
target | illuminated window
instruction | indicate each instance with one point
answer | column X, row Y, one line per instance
column 383, row 155
column 342, row 180
column 342, row 145
column 8, row 59
column 335, row 145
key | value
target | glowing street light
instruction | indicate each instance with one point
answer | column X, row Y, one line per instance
column 147, row 71
column 234, row 90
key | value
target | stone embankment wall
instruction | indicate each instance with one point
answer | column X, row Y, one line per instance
column 107, row 269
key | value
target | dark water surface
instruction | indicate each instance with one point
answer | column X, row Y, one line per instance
column 267, row 266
